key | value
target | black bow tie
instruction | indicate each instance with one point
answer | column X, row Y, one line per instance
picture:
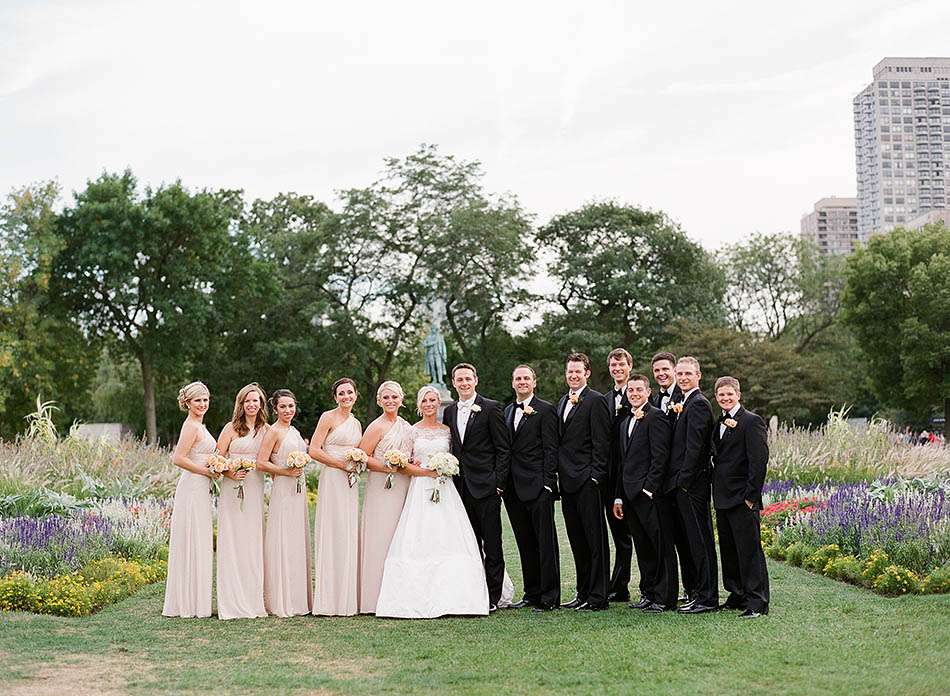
column 519, row 404
column 724, row 417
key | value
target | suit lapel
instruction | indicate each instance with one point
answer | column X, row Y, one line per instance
column 625, row 432
column 451, row 415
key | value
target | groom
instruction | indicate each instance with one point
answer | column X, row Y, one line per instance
column 482, row 445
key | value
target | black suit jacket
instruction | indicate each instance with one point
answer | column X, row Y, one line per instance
column 484, row 457
column 584, row 444
column 618, row 415
column 533, row 450
column 689, row 451
column 740, row 457
column 644, row 455
column 656, row 399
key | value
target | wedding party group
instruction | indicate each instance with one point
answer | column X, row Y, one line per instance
column 639, row 465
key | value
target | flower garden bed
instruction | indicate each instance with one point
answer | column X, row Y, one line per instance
column 891, row 536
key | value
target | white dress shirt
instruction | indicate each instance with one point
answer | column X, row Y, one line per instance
column 519, row 412
column 732, row 414
column 568, row 406
column 463, row 414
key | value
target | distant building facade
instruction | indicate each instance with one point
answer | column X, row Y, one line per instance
column 902, row 142
column 833, row 225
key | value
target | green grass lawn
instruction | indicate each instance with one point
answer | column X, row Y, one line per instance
column 821, row 637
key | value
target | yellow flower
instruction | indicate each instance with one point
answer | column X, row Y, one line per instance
column 677, row 407
column 729, row 423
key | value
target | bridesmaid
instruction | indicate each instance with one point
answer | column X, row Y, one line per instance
column 287, row 589
column 190, row 549
column 336, row 525
column 381, row 506
column 241, row 526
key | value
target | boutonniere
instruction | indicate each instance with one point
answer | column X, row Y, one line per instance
column 677, row 407
column 729, row 423
column 575, row 399
column 476, row 408
column 528, row 410
column 638, row 414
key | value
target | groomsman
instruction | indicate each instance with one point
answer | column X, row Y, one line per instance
column 531, row 490
column 583, row 457
column 740, row 455
column 480, row 442
column 688, row 479
column 664, row 364
column 619, row 364
column 645, row 448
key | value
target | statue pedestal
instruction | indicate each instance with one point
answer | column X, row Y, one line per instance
column 446, row 397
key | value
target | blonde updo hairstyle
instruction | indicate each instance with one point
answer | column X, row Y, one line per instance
column 189, row 392
column 392, row 386
column 421, row 395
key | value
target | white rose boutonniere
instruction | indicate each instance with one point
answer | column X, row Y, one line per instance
column 528, row 410
column 476, row 408
column 730, row 423
column 638, row 414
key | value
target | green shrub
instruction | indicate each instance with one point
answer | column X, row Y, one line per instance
column 938, row 582
column 845, row 568
column 817, row 561
column 767, row 535
column 17, row 592
column 797, row 553
column 874, row 565
column 896, row 580
column 776, row 551
column 155, row 571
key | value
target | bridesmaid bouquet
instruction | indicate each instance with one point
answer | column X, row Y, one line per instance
column 217, row 465
column 242, row 465
column 394, row 460
column 356, row 464
column 298, row 460
column 445, row 465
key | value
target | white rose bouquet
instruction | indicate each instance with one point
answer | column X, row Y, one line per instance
column 445, row 465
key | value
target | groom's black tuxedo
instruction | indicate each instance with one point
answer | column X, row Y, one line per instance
column 619, row 407
column 644, row 446
column 741, row 455
column 583, row 458
column 529, row 498
column 688, row 480
column 484, row 458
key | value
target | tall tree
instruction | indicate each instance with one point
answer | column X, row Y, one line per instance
column 780, row 286
column 141, row 271
column 897, row 302
column 624, row 274
column 41, row 353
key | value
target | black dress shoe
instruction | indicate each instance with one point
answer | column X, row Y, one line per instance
column 653, row 608
column 687, row 604
column 520, row 605
column 591, row 607
column 492, row 608
column 541, row 608
column 686, row 599
column 639, row 605
column 573, row 604
column 618, row 597
column 732, row 605
column 752, row 614
column 697, row 608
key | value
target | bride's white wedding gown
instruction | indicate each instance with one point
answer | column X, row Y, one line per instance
column 434, row 566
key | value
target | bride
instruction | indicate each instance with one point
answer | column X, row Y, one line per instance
column 434, row 566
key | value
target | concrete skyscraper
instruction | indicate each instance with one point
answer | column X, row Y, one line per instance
column 833, row 225
column 902, row 142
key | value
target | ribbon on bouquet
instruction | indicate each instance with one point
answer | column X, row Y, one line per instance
column 240, row 493
column 436, row 493
column 389, row 481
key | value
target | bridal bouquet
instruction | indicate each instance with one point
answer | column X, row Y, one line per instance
column 298, row 460
column 394, row 460
column 242, row 465
column 445, row 465
column 355, row 459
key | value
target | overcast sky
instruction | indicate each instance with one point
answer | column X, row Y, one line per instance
column 733, row 117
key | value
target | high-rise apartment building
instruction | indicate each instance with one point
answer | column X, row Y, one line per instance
column 902, row 142
column 833, row 225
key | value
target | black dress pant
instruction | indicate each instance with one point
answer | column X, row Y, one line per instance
column 533, row 525
column 676, row 541
column 696, row 517
column 485, row 516
column 587, row 534
column 744, row 573
column 623, row 548
column 658, row 581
